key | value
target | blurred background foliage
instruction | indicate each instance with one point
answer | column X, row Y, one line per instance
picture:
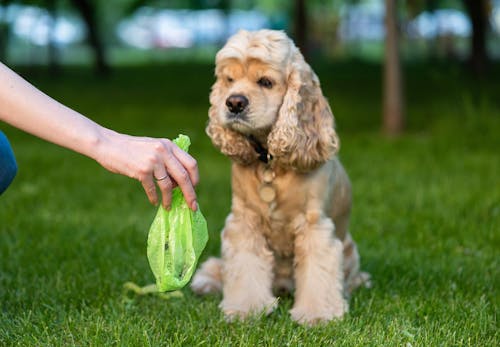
column 113, row 33
column 137, row 31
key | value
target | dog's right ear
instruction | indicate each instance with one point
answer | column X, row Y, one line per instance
column 229, row 142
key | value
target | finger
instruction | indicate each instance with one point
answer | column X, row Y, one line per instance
column 189, row 164
column 181, row 177
column 150, row 189
column 166, row 187
column 164, row 182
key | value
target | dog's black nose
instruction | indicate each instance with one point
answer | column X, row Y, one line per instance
column 236, row 103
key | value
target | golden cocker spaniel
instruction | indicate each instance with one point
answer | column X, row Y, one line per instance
column 288, row 226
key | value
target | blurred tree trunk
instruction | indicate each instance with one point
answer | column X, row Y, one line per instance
column 87, row 9
column 53, row 49
column 478, row 14
column 393, row 118
column 300, row 27
column 4, row 31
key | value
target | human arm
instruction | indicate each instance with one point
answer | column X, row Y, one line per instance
column 27, row 108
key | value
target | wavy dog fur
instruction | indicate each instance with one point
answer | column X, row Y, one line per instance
column 298, row 242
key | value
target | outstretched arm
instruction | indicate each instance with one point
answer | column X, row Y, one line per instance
column 145, row 159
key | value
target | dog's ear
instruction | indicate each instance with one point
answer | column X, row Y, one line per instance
column 303, row 136
column 229, row 142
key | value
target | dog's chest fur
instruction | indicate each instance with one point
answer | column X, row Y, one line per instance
column 277, row 219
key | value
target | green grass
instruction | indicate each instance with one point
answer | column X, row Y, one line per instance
column 426, row 218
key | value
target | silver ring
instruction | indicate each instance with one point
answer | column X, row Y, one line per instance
column 161, row 178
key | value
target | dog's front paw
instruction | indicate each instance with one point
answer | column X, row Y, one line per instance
column 246, row 308
column 310, row 315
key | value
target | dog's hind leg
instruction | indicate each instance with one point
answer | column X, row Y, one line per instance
column 353, row 277
column 208, row 278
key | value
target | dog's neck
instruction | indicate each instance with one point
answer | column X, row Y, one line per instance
column 260, row 148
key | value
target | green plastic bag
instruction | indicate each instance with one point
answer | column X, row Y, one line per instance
column 176, row 239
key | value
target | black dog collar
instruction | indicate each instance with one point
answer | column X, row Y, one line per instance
column 264, row 155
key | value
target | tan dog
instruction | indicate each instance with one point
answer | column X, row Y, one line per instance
column 288, row 227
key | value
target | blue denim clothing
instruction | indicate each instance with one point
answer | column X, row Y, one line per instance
column 8, row 165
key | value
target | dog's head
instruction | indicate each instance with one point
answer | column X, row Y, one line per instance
column 265, row 90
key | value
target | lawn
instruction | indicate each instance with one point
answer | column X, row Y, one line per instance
column 426, row 217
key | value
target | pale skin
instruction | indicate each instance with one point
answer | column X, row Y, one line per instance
column 154, row 162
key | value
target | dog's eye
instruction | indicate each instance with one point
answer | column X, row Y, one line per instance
column 229, row 80
column 265, row 82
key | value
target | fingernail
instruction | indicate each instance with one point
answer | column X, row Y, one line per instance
column 194, row 206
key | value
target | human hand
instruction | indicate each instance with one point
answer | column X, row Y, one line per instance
column 142, row 158
column 152, row 162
